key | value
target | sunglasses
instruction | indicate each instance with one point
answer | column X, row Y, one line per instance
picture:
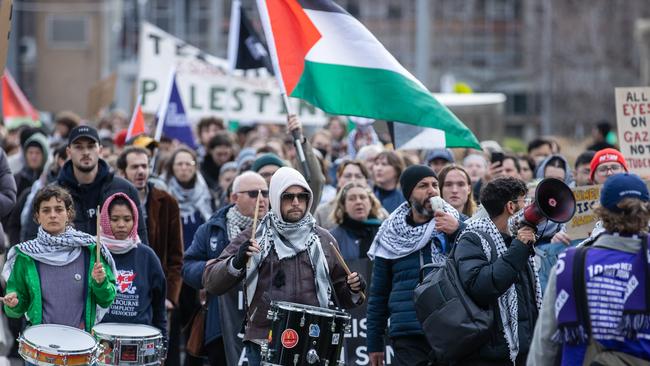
column 253, row 193
column 303, row 197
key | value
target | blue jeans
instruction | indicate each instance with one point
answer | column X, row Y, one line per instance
column 253, row 353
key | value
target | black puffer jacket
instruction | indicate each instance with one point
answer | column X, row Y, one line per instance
column 485, row 281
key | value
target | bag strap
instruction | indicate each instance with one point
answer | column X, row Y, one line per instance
column 581, row 288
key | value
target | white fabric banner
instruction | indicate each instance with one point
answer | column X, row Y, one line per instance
column 206, row 86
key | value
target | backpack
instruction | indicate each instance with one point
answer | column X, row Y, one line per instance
column 597, row 354
column 452, row 323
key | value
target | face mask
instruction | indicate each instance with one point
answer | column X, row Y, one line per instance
column 323, row 152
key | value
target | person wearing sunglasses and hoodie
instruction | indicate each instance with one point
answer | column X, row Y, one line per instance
column 289, row 258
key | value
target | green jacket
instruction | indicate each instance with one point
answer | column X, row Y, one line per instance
column 25, row 282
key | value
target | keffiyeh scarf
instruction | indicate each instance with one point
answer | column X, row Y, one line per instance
column 397, row 239
column 236, row 222
column 193, row 199
column 508, row 306
column 288, row 240
column 57, row 250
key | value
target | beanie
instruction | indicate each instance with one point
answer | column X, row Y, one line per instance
column 620, row 186
column 412, row 175
column 606, row 156
column 267, row 159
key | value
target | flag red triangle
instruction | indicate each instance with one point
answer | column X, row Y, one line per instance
column 16, row 109
column 136, row 127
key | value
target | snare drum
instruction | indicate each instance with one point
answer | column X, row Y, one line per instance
column 304, row 335
column 53, row 344
column 129, row 344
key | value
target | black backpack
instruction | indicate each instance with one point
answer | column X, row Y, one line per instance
column 452, row 323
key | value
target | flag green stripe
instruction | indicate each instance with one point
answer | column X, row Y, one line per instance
column 379, row 94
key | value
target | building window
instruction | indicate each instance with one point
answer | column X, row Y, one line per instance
column 68, row 31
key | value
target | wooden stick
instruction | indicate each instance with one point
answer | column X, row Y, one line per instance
column 257, row 210
column 346, row 269
column 98, row 246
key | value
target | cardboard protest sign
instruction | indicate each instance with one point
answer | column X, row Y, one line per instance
column 207, row 87
column 632, row 112
column 101, row 95
column 6, row 8
column 584, row 219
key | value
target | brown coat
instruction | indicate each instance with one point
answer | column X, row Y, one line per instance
column 166, row 237
column 296, row 286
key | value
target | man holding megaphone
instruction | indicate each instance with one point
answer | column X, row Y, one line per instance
column 497, row 272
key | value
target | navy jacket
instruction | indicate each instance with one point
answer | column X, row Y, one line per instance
column 141, row 290
column 391, row 292
column 390, row 200
column 209, row 241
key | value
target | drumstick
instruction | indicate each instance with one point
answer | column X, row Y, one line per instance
column 345, row 267
column 257, row 210
column 99, row 229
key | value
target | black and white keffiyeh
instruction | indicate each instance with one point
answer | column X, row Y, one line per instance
column 288, row 239
column 508, row 306
column 397, row 239
column 57, row 250
column 236, row 222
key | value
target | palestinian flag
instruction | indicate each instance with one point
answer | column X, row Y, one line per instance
column 16, row 109
column 325, row 56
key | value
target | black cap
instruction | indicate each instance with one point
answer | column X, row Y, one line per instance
column 83, row 131
column 412, row 175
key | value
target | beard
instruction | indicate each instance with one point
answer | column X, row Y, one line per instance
column 86, row 169
column 420, row 208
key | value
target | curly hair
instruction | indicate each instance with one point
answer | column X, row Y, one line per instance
column 58, row 192
column 497, row 193
column 470, row 206
column 339, row 212
column 633, row 218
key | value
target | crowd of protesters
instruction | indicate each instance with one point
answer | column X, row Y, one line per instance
column 181, row 219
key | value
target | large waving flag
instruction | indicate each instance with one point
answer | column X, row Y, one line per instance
column 325, row 56
column 16, row 109
column 171, row 119
column 136, row 126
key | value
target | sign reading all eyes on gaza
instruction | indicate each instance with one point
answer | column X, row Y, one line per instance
column 633, row 118
column 206, row 86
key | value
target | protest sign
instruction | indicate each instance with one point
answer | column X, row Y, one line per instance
column 632, row 111
column 584, row 219
column 5, row 29
column 101, row 95
column 207, row 87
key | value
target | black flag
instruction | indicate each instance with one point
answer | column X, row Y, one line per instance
column 245, row 48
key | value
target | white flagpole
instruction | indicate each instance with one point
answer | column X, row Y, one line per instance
column 162, row 110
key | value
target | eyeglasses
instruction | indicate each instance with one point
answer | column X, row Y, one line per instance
column 253, row 193
column 303, row 197
column 603, row 169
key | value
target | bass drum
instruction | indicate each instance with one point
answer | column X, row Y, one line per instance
column 129, row 344
column 305, row 335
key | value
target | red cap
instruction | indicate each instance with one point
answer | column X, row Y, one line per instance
column 606, row 156
column 120, row 138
